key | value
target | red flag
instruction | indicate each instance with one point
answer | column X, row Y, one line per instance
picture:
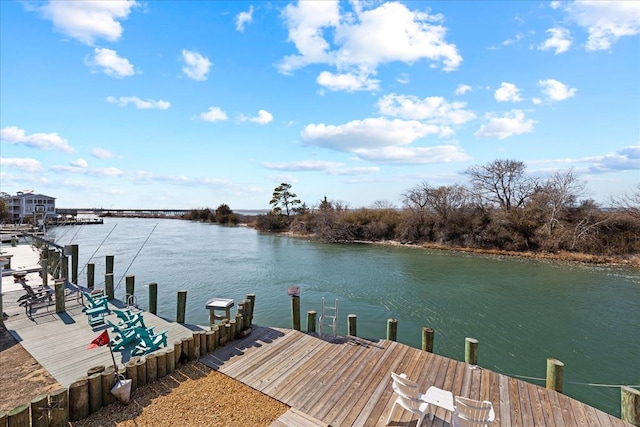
column 102, row 339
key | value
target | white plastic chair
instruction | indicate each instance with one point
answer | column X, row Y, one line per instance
column 472, row 413
column 408, row 397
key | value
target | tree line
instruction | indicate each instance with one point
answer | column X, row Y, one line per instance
column 502, row 207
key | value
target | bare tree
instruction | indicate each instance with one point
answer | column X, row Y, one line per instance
column 502, row 182
column 561, row 192
column 629, row 202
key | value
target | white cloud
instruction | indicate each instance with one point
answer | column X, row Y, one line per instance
column 101, row 153
column 462, row 89
column 516, row 39
column 332, row 168
column 382, row 140
column 80, row 163
column 111, row 63
column 606, row 21
column 507, row 92
column 195, row 66
column 243, row 18
column 87, row 21
column 403, row 78
column 347, row 81
column 536, row 101
column 27, row 165
column 511, row 123
column 140, row 104
column 262, row 118
column 628, row 158
column 555, row 90
column 559, row 40
column 213, row 115
column 43, row 141
column 364, row 39
column 432, row 109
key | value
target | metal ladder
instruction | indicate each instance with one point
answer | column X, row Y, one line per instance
column 328, row 317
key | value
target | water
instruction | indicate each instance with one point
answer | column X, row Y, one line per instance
column 521, row 311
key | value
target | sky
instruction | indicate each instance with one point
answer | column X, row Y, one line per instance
column 191, row 104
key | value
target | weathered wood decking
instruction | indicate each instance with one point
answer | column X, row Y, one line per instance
column 346, row 382
column 59, row 341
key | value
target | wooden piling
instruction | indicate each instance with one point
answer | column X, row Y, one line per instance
column 141, row 367
column 471, row 351
column 191, row 346
column 177, row 352
column 44, row 273
column 108, row 264
column 152, row 367
column 131, row 372
column 182, row 306
column 59, row 293
column 392, row 329
column 109, row 289
column 311, row 320
column 91, row 274
column 64, row 266
column 74, row 264
column 295, row 311
column 153, row 298
column 130, row 285
column 227, row 333
column 161, row 357
column 630, row 405
column 204, row 349
column 352, row 325
column 170, row 360
column 39, row 411
column 59, row 408
column 209, row 336
column 197, row 351
column 239, row 325
column 95, row 392
column 252, row 298
column 555, row 374
column 427, row 339
column 79, row 399
column 108, row 381
column 216, row 336
column 18, row 416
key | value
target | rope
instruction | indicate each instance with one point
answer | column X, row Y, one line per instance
column 136, row 255
column 98, row 248
column 575, row 383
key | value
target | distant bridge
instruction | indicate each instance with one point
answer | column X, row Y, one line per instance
column 123, row 212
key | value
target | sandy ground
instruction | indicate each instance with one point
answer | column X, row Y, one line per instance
column 194, row 395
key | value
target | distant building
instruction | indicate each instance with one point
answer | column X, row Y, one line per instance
column 26, row 204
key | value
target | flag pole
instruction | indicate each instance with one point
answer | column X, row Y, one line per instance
column 115, row 366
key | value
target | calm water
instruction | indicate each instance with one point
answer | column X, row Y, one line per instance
column 522, row 312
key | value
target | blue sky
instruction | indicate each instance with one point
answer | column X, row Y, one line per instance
column 167, row 104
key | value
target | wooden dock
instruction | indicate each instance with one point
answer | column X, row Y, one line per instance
column 59, row 341
column 346, row 382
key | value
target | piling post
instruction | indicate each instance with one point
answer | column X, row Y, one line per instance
column 232, row 330
column 79, row 399
column 153, row 298
column 239, row 325
column 130, row 285
column 64, row 274
column 161, row 358
column 209, row 337
column 185, row 348
column 352, row 325
column 182, row 306
column 152, row 367
column 109, row 289
column 227, row 333
column 197, row 351
column 59, row 293
column 311, row 320
column 177, row 352
column 141, row 367
column 59, row 404
column 392, row 329
column 295, row 312
column 95, row 392
column 191, row 356
column 19, row 416
column 252, row 298
column 471, row 351
column 108, row 380
column 91, row 274
column 74, row 264
column 427, row 339
column 171, row 361
column 45, row 269
column 216, row 336
column 630, row 405
column 108, row 264
column 555, row 374
column 39, row 411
